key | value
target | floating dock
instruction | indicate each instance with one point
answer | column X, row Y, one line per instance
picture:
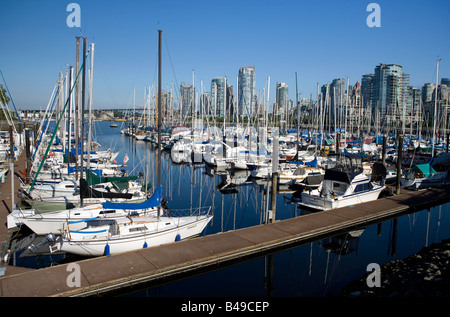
column 153, row 265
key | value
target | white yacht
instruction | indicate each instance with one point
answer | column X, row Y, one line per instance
column 343, row 185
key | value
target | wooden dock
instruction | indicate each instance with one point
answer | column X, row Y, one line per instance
column 107, row 275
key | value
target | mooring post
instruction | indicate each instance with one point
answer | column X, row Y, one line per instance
column 273, row 205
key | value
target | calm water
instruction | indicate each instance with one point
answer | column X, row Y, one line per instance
column 315, row 269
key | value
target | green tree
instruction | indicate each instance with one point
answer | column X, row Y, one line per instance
column 3, row 95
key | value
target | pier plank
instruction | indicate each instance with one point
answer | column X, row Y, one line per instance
column 108, row 269
column 184, row 251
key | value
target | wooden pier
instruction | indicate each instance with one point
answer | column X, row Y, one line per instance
column 146, row 267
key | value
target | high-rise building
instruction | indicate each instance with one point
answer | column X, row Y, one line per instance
column 337, row 93
column 427, row 92
column 218, row 96
column 246, row 90
column 282, row 101
column 187, row 94
column 445, row 81
column 389, row 91
column 205, row 104
column 230, row 102
column 367, row 90
column 355, row 97
column 413, row 109
column 442, row 93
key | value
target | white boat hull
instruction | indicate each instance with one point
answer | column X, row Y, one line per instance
column 327, row 203
column 97, row 247
column 416, row 183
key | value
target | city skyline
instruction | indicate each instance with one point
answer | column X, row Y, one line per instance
column 320, row 42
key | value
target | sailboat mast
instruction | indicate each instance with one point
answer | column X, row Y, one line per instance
column 91, row 76
column 298, row 116
column 159, row 108
column 435, row 107
column 83, row 86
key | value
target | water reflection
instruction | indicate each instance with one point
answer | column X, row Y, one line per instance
column 319, row 268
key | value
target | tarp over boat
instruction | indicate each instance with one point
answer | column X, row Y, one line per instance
column 425, row 169
column 89, row 192
column 153, row 201
column 94, row 179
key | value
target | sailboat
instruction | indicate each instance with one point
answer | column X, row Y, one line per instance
column 423, row 176
column 57, row 222
column 116, row 235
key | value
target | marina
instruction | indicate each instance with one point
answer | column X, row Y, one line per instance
column 234, row 236
column 224, row 191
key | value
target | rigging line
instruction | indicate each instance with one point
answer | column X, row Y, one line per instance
column 171, row 64
column 56, row 128
column 7, row 89
column 45, row 124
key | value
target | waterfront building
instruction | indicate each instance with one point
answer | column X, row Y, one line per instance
column 205, row 104
column 187, row 93
column 445, row 81
column 337, row 95
column 282, row 101
column 246, row 90
column 367, row 90
column 427, row 92
column 354, row 110
column 389, row 91
column 413, row 109
column 442, row 93
column 218, row 96
column 230, row 101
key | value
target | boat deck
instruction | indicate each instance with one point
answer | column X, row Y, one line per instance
column 106, row 275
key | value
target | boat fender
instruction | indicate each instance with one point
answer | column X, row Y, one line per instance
column 178, row 237
column 145, row 244
column 107, row 251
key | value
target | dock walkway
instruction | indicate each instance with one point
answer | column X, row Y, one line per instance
column 105, row 275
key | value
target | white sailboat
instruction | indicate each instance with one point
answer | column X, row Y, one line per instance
column 117, row 235
column 57, row 222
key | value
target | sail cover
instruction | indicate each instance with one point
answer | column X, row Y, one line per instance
column 153, row 201
column 94, row 179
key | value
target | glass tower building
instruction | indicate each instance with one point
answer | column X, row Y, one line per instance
column 389, row 91
column 246, row 90
column 186, row 99
column 282, row 100
column 218, row 96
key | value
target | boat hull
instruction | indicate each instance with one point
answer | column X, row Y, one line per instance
column 327, row 203
column 120, row 245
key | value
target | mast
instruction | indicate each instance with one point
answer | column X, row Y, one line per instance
column 69, row 112
column 91, row 78
column 159, row 109
column 77, row 93
column 435, row 108
column 83, row 85
column 298, row 115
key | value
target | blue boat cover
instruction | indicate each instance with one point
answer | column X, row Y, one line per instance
column 153, row 201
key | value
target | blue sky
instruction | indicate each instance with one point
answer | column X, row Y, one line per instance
column 320, row 40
